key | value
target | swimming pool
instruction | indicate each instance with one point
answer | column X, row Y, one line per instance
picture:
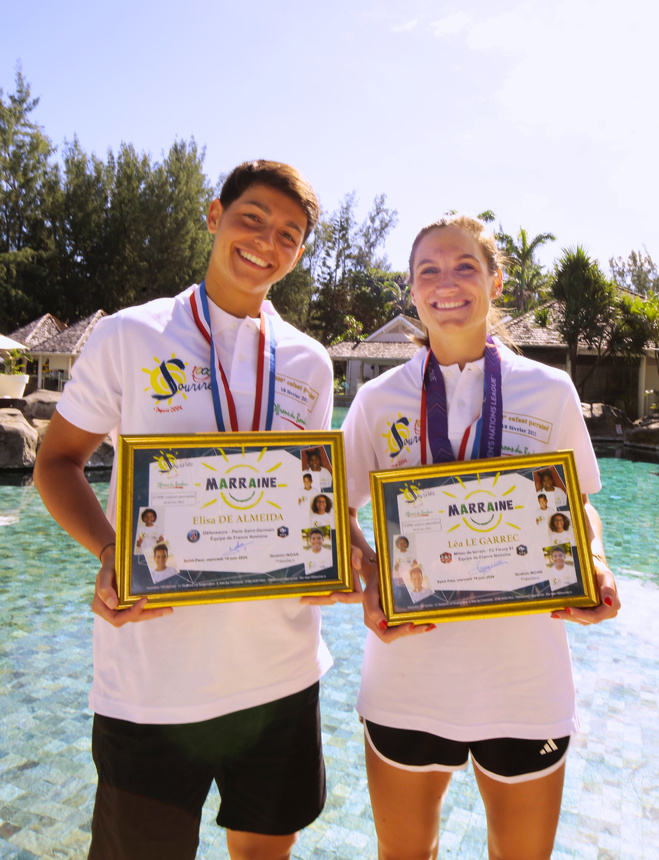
column 48, row 779
column 628, row 504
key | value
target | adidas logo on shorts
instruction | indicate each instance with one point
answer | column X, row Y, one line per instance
column 549, row 747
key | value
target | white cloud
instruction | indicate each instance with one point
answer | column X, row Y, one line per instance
column 450, row 25
column 405, row 28
column 568, row 67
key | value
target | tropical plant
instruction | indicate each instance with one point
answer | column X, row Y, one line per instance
column 524, row 280
column 592, row 312
column 637, row 273
column 14, row 361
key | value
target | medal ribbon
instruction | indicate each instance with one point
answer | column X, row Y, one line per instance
column 485, row 431
column 223, row 403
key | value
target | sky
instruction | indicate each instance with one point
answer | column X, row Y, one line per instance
column 544, row 112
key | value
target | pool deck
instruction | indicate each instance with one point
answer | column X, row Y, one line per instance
column 611, row 798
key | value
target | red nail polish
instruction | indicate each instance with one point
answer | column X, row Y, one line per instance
column 608, row 601
column 383, row 624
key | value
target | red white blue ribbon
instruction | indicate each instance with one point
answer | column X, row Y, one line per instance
column 223, row 403
column 482, row 439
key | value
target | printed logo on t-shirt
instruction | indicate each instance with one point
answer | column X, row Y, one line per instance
column 171, row 380
column 401, row 435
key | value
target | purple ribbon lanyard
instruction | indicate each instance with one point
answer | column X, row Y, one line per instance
column 490, row 421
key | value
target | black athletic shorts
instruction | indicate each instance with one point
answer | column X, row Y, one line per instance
column 153, row 780
column 503, row 759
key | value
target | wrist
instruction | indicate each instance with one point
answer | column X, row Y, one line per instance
column 110, row 544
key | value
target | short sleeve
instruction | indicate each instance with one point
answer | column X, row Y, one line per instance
column 360, row 454
column 92, row 397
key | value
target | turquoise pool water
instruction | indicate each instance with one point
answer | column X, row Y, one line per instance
column 47, row 778
column 628, row 505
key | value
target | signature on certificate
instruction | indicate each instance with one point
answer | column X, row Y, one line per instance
column 236, row 548
column 485, row 568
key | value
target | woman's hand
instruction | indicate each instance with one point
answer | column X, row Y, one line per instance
column 106, row 599
column 609, row 600
column 374, row 617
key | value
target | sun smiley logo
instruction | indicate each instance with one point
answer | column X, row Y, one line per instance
column 167, row 462
column 398, row 435
column 411, row 493
column 166, row 379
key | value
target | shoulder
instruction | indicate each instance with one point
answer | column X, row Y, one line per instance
column 156, row 315
column 516, row 365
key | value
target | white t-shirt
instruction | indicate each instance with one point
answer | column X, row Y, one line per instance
column 559, row 538
column 148, row 536
column 162, row 575
column 146, row 370
column 556, row 498
column 322, row 479
column 315, row 561
column 476, row 679
column 318, row 520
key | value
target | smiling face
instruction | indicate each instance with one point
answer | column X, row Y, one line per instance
column 558, row 558
column 452, row 288
column 558, row 523
column 321, row 504
column 314, row 462
column 160, row 556
column 547, row 482
column 316, row 541
column 416, row 575
column 258, row 240
column 148, row 518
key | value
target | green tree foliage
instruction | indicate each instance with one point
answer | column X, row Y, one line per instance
column 524, row 280
column 341, row 287
column 25, row 236
column 88, row 234
column 637, row 273
column 292, row 296
column 78, row 210
column 377, row 297
column 346, row 252
column 593, row 312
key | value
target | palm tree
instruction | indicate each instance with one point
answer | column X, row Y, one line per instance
column 524, row 275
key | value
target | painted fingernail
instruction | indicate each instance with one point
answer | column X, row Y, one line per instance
column 568, row 610
column 430, row 627
column 383, row 624
column 608, row 601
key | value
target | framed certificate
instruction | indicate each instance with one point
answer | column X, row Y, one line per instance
column 233, row 516
column 482, row 538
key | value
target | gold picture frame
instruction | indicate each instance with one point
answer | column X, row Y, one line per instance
column 470, row 539
column 212, row 517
